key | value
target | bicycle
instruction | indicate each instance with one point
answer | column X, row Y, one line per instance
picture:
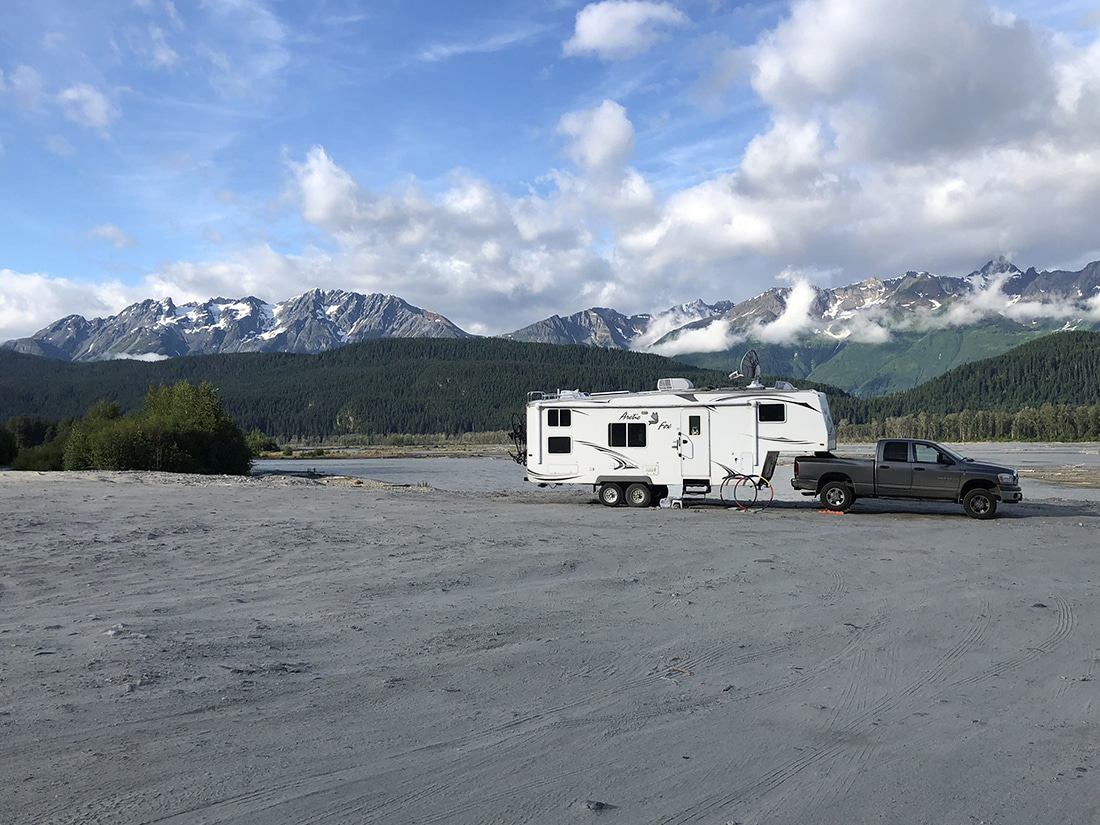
column 748, row 492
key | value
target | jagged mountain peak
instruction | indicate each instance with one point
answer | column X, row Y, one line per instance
column 314, row 321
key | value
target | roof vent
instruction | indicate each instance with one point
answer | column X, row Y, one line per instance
column 671, row 384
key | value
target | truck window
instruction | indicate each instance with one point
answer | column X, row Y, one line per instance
column 559, row 418
column 926, row 454
column 771, row 412
column 559, row 444
column 625, row 435
column 895, row 451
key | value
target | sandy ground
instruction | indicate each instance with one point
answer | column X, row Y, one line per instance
column 286, row 651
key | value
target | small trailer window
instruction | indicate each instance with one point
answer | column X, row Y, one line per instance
column 626, row 435
column 771, row 412
column 695, row 425
column 559, row 418
column 559, row 444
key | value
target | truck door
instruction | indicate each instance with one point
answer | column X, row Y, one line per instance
column 694, row 443
column 934, row 474
column 894, row 469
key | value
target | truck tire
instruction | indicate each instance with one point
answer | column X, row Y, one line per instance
column 837, row 496
column 980, row 503
column 611, row 494
column 639, row 495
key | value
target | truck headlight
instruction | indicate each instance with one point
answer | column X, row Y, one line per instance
column 1007, row 478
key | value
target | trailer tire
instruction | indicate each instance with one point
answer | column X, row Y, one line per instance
column 639, row 495
column 660, row 492
column 837, row 496
column 611, row 494
column 980, row 503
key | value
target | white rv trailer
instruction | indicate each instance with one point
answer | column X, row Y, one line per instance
column 631, row 446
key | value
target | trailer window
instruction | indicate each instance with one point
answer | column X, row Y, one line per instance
column 771, row 412
column 626, row 435
column 559, row 444
column 695, row 425
column 559, row 418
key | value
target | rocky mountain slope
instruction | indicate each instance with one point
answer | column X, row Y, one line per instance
column 316, row 321
column 871, row 337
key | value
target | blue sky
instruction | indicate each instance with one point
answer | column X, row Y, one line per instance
column 501, row 162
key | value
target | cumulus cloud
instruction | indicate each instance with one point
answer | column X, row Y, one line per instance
column 30, row 301
column 620, row 29
column 84, row 104
column 603, row 138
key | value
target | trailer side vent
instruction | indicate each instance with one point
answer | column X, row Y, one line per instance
column 670, row 384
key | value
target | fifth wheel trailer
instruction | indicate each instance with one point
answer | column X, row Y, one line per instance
column 631, row 446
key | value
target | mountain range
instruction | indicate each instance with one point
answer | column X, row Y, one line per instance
column 870, row 338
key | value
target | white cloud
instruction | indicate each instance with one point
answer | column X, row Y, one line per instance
column 716, row 336
column 29, row 302
column 603, row 139
column 620, row 29
column 796, row 318
column 113, row 235
column 493, row 43
column 162, row 55
column 86, row 105
column 328, row 193
column 26, row 86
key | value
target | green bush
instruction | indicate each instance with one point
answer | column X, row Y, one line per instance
column 180, row 429
column 259, row 443
column 43, row 457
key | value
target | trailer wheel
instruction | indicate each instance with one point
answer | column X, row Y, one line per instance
column 980, row 503
column 837, row 496
column 639, row 495
column 611, row 494
column 660, row 492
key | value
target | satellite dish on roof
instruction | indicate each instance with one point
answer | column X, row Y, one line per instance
column 750, row 368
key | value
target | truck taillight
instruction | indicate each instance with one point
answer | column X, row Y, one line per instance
column 796, row 468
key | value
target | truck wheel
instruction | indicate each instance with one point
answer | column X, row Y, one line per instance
column 611, row 495
column 638, row 495
column 980, row 503
column 837, row 496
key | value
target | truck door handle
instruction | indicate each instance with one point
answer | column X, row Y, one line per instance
column 918, row 469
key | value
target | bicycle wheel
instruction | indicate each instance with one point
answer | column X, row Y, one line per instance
column 753, row 492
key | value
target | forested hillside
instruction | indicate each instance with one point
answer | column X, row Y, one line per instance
column 1046, row 388
column 377, row 387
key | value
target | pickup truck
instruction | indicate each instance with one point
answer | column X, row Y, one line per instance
column 907, row 468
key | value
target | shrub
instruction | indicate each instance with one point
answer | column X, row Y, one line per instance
column 180, row 429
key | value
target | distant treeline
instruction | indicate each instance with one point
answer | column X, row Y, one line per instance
column 1050, row 422
column 1046, row 389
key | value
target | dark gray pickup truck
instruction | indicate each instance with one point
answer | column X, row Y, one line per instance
column 908, row 468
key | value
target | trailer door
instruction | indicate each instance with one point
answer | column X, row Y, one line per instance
column 694, row 443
